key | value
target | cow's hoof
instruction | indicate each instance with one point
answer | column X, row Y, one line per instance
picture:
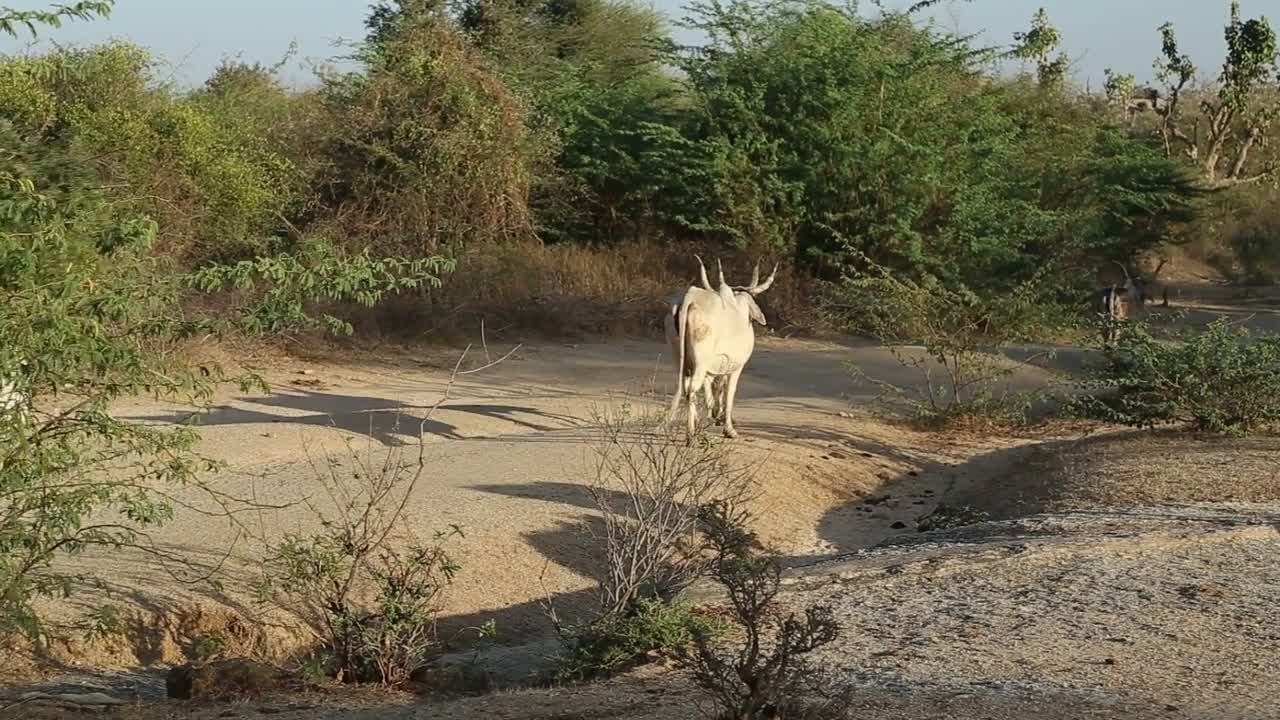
column 731, row 433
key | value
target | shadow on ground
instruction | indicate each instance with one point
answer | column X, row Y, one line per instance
column 390, row 422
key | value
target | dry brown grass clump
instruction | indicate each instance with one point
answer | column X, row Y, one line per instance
column 1129, row 469
column 563, row 290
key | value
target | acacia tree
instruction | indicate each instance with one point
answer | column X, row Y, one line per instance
column 1235, row 118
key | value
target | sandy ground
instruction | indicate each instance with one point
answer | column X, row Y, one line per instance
column 1020, row 635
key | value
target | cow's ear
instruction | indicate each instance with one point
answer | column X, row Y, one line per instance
column 756, row 314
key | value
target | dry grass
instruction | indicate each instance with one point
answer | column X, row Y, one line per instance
column 571, row 291
column 1129, row 469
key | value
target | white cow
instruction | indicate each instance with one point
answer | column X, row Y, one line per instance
column 714, row 390
column 13, row 399
column 713, row 339
column 13, row 393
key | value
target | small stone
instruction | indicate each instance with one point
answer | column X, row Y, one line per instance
column 86, row 700
column 222, row 679
column 898, row 525
column 1109, row 661
column 460, row 677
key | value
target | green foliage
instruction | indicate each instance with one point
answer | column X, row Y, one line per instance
column 1252, row 58
column 367, row 589
column 1256, row 247
column 1119, row 88
column 199, row 165
column 618, row 641
column 961, row 373
column 12, row 20
column 86, row 316
column 428, row 148
column 385, row 638
column 604, row 107
column 1239, row 113
column 1216, row 380
column 841, row 140
column 78, row 306
column 316, row 272
column 1038, row 44
column 1141, row 199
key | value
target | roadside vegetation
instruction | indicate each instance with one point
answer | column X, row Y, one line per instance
column 552, row 168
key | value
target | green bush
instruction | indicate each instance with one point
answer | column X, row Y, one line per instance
column 365, row 586
column 1256, row 247
column 85, row 312
column 289, row 284
column 1216, row 380
column 961, row 372
column 78, row 307
column 617, row 641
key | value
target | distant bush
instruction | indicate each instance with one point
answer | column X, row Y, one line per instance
column 1216, row 380
column 961, row 372
column 1256, row 248
column 428, row 150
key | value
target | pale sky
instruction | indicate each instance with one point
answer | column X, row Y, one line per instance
column 192, row 36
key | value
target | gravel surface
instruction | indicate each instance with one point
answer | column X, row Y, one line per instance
column 1174, row 608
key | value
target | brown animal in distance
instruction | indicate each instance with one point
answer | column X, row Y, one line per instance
column 1119, row 303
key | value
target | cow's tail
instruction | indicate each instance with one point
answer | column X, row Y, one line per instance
column 682, row 327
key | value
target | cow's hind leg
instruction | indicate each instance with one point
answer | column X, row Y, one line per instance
column 675, row 397
column 696, row 382
column 730, row 391
column 710, row 391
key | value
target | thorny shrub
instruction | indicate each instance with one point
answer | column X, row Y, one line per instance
column 367, row 588
column 617, row 641
column 649, row 485
column 758, row 670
